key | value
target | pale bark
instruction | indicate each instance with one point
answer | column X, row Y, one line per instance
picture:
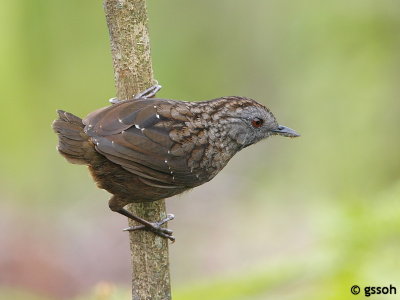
column 130, row 47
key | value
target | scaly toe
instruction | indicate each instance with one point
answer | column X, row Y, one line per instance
column 133, row 228
column 166, row 230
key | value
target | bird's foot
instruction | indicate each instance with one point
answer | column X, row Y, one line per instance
column 148, row 93
column 156, row 228
column 114, row 100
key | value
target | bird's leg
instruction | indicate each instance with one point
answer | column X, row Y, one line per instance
column 148, row 93
column 146, row 225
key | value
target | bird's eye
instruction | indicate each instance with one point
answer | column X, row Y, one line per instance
column 257, row 122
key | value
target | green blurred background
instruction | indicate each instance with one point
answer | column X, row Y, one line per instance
column 286, row 219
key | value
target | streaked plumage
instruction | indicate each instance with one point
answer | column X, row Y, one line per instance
column 150, row 149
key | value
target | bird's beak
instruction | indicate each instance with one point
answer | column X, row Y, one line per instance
column 285, row 131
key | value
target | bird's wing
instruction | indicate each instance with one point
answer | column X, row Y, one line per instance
column 144, row 137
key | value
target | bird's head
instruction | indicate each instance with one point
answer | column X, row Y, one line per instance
column 249, row 122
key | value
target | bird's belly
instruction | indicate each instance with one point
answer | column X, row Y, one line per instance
column 119, row 182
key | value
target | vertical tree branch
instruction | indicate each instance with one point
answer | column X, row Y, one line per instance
column 130, row 47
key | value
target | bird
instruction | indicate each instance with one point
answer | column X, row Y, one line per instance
column 146, row 149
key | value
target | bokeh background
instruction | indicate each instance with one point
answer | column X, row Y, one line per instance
column 286, row 219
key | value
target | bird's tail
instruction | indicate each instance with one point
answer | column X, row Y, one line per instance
column 73, row 143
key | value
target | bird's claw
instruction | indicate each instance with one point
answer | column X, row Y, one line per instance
column 114, row 100
column 148, row 93
column 165, row 220
column 156, row 228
